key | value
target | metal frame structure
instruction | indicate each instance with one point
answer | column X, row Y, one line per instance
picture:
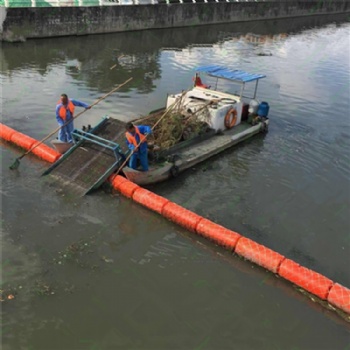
column 238, row 76
column 79, row 135
column 79, row 138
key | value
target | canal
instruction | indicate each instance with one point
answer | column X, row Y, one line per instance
column 101, row 272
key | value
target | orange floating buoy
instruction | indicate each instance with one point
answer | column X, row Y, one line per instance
column 22, row 140
column 117, row 180
column 45, row 152
column 127, row 188
column 6, row 132
column 149, row 200
column 309, row 280
column 259, row 254
column 230, row 118
column 218, row 234
column 181, row 216
column 339, row 296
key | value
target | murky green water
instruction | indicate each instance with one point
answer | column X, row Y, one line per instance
column 101, row 272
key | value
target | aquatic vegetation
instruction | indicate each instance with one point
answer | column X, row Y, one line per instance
column 178, row 125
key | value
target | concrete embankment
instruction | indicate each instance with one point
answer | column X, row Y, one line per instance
column 311, row 281
column 19, row 24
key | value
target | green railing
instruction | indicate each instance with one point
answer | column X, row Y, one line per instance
column 49, row 3
column 67, row 3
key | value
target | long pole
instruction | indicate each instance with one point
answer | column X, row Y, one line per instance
column 16, row 163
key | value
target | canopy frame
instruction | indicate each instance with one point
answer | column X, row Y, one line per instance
column 236, row 76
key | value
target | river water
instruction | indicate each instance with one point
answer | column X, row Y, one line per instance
column 101, row 272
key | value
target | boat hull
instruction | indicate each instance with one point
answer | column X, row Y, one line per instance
column 194, row 155
column 153, row 175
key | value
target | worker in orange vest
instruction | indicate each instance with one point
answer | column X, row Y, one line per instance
column 137, row 143
column 65, row 112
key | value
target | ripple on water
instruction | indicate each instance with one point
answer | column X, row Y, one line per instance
column 19, row 271
column 286, row 189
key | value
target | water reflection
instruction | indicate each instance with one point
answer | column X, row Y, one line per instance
column 100, row 61
column 286, row 189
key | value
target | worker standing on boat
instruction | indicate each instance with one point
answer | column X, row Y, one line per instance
column 136, row 141
column 198, row 82
column 64, row 113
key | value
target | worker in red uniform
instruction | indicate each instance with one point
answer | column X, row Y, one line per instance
column 64, row 113
column 198, row 82
column 136, row 141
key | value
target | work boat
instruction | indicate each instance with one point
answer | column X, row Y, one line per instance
column 229, row 118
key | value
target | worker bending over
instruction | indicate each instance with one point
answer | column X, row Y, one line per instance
column 137, row 143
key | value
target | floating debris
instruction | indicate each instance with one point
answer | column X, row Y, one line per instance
column 107, row 260
column 7, row 294
column 42, row 288
column 73, row 251
column 80, row 253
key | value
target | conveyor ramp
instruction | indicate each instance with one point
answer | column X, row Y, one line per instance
column 94, row 157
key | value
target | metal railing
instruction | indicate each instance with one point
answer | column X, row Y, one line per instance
column 82, row 3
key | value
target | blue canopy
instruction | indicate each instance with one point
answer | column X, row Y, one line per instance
column 236, row 75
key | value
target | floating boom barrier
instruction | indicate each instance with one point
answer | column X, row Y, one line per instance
column 309, row 280
column 42, row 151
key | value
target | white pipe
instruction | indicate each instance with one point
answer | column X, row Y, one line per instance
column 256, row 88
column 242, row 91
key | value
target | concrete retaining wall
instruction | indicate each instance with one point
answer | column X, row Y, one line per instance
column 19, row 24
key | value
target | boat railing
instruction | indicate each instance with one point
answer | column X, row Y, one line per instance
column 79, row 135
